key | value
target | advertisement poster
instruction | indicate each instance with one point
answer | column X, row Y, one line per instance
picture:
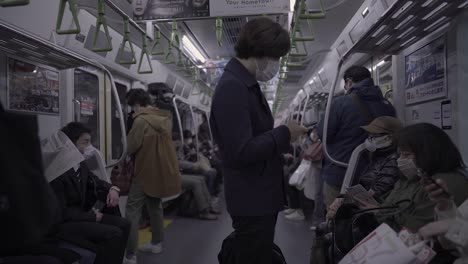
column 32, row 88
column 248, row 7
column 425, row 73
column 167, row 9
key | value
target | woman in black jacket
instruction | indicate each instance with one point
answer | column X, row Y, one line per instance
column 382, row 172
column 251, row 148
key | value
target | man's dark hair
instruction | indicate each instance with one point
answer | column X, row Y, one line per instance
column 262, row 37
column 138, row 96
column 357, row 74
column 74, row 130
column 433, row 149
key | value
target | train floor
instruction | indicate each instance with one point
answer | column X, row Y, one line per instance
column 193, row 241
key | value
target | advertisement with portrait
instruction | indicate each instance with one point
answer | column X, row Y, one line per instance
column 167, row 9
column 248, row 7
column 425, row 73
column 32, row 88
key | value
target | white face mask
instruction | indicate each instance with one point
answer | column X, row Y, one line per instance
column 189, row 141
column 408, row 168
column 88, row 152
column 373, row 144
column 266, row 69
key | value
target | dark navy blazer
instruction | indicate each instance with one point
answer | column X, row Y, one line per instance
column 251, row 149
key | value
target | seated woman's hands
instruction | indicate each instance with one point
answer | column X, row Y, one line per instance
column 438, row 194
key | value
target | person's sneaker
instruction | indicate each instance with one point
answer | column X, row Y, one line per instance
column 289, row 211
column 298, row 215
column 150, row 248
column 132, row 260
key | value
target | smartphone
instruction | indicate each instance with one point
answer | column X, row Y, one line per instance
column 99, row 205
column 429, row 180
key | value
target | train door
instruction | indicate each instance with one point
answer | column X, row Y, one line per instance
column 88, row 99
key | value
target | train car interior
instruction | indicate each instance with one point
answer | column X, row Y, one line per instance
column 86, row 62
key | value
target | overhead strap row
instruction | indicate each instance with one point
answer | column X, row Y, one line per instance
column 9, row 3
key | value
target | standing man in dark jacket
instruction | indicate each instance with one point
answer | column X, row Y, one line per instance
column 362, row 103
column 251, row 148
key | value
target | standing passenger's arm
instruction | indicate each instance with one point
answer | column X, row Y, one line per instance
column 135, row 136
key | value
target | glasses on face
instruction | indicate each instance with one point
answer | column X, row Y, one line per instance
column 373, row 136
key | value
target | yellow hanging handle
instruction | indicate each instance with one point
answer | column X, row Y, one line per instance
column 8, row 3
column 219, row 31
column 144, row 54
column 61, row 12
column 126, row 38
column 101, row 21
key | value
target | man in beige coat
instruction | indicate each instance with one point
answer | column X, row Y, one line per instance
column 156, row 169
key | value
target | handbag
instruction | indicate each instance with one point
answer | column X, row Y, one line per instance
column 122, row 175
column 314, row 151
column 352, row 224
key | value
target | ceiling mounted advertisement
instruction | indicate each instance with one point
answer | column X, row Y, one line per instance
column 248, row 7
column 166, row 9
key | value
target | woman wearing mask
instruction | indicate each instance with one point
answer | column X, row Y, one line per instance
column 251, row 148
column 382, row 173
column 426, row 151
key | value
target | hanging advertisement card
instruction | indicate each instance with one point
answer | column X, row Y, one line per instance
column 248, row 7
column 425, row 73
column 167, row 9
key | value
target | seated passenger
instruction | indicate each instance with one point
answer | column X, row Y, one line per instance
column 202, row 198
column 452, row 225
column 426, row 151
column 382, row 173
column 188, row 163
column 90, row 206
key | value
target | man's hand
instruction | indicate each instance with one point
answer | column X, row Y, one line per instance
column 333, row 208
column 113, row 198
column 435, row 228
column 98, row 214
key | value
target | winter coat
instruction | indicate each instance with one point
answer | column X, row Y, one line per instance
column 344, row 127
column 382, row 173
column 251, row 148
column 156, row 166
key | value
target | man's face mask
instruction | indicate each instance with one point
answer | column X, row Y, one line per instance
column 167, row 97
column 266, row 69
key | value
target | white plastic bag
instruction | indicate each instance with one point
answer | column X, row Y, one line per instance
column 311, row 181
column 383, row 246
column 96, row 163
column 298, row 178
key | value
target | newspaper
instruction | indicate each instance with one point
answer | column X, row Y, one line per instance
column 96, row 163
column 59, row 155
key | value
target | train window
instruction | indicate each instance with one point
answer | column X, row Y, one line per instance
column 87, row 93
column 117, row 146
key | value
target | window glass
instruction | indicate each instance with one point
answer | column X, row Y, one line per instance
column 87, row 93
column 117, row 145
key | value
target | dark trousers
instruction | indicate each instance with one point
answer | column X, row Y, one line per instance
column 108, row 237
column 253, row 243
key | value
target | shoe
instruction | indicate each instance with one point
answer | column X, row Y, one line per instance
column 207, row 216
column 289, row 211
column 298, row 215
column 132, row 260
column 150, row 248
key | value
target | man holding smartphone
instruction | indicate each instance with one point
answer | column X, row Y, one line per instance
column 90, row 213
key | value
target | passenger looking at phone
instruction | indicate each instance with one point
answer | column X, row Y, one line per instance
column 451, row 226
column 427, row 155
column 91, row 217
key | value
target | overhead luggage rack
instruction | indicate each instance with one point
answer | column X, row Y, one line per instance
column 404, row 23
column 17, row 42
